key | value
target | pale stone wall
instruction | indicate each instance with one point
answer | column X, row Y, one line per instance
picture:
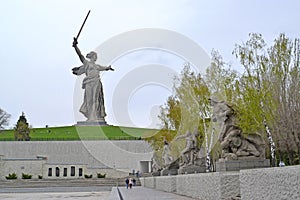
column 110, row 173
column 149, row 182
column 201, row 186
column 271, row 183
column 32, row 167
column 167, row 184
column 102, row 154
column 263, row 183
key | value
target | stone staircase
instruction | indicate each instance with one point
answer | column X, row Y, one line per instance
column 39, row 183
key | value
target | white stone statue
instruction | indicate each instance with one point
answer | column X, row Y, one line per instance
column 93, row 104
column 188, row 154
column 156, row 166
column 166, row 154
column 234, row 143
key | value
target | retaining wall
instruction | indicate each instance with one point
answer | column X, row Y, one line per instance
column 264, row 183
column 99, row 154
column 271, row 183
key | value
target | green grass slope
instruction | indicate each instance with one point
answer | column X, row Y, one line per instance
column 82, row 133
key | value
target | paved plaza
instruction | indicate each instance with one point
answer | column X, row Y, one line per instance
column 138, row 193
column 56, row 196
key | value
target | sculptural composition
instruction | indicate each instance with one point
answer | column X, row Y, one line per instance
column 156, row 165
column 93, row 104
column 189, row 153
column 235, row 145
column 166, row 154
column 191, row 161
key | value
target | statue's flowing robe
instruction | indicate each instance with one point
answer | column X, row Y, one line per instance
column 93, row 104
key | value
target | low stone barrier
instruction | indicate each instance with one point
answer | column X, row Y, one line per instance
column 271, row 183
column 201, row 186
column 263, row 183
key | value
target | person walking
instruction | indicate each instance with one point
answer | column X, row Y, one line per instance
column 133, row 181
column 130, row 183
column 127, row 183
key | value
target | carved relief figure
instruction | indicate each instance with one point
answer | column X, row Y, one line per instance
column 188, row 154
column 166, row 154
column 233, row 143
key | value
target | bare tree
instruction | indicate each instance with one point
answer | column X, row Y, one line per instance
column 4, row 119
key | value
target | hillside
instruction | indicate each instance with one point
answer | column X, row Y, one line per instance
column 82, row 133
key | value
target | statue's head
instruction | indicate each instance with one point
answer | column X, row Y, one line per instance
column 92, row 55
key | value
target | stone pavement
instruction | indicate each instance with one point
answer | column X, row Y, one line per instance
column 138, row 193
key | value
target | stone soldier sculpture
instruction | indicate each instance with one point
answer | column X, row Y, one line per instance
column 188, row 153
column 166, row 154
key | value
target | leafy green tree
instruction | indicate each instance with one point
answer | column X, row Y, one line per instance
column 285, row 77
column 255, row 100
column 185, row 110
column 269, row 93
column 21, row 130
column 221, row 80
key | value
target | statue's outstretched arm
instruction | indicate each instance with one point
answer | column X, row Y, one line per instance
column 81, row 57
column 103, row 68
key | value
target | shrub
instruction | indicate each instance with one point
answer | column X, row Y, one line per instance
column 99, row 175
column 26, row 176
column 88, row 176
column 11, row 176
column 40, row 176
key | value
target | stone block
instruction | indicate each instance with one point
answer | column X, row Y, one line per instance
column 168, row 172
column 192, row 169
column 270, row 183
column 167, row 184
column 236, row 165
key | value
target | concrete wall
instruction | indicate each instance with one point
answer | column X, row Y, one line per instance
column 124, row 155
column 264, row 183
column 167, row 184
column 201, row 186
column 111, row 173
column 271, row 183
column 32, row 167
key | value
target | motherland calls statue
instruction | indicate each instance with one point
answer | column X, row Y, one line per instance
column 234, row 144
column 93, row 104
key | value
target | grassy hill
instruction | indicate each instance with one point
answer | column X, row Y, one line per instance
column 82, row 133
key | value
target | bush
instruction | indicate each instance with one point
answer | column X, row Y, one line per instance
column 88, row 176
column 26, row 176
column 40, row 176
column 11, row 176
column 99, row 175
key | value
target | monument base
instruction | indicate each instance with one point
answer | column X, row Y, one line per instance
column 236, row 165
column 167, row 172
column 192, row 169
column 92, row 123
column 156, row 173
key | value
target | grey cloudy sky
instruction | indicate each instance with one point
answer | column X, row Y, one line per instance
column 37, row 56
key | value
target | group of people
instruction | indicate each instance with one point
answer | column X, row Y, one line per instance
column 130, row 182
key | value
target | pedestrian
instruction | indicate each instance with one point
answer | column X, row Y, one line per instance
column 133, row 181
column 127, row 183
column 130, row 183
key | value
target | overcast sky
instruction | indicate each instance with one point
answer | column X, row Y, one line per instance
column 37, row 56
